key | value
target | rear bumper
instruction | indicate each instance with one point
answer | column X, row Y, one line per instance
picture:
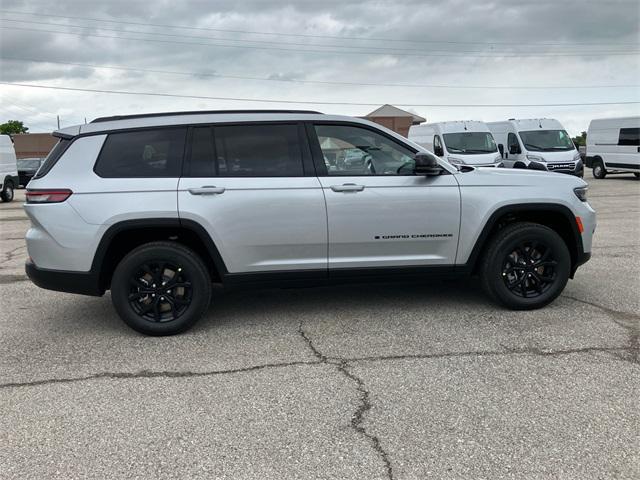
column 84, row 283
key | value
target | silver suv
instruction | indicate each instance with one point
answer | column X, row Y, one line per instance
column 158, row 207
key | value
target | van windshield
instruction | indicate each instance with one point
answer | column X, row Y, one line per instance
column 468, row 143
column 547, row 141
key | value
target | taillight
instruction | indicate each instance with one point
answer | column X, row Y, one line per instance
column 56, row 195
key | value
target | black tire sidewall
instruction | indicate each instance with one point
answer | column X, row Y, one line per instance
column 8, row 192
column 599, row 164
column 563, row 269
column 194, row 267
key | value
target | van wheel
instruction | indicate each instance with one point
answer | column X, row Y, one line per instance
column 161, row 288
column 599, row 171
column 526, row 266
column 7, row 192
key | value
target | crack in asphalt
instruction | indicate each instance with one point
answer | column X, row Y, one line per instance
column 342, row 364
column 155, row 374
column 630, row 322
column 11, row 254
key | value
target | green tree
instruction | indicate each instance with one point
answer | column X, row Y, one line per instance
column 13, row 126
column 580, row 140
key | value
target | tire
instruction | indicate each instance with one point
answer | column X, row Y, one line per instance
column 599, row 171
column 161, row 288
column 530, row 256
column 7, row 193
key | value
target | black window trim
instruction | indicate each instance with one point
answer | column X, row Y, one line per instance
column 308, row 169
column 316, row 151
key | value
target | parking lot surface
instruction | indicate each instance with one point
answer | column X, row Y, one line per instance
column 402, row 381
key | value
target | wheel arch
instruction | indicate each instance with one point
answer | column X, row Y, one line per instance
column 555, row 216
column 122, row 237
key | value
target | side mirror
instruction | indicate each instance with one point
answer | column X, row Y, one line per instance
column 501, row 150
column 438, row 151
column 426, row 164
column 514, row 149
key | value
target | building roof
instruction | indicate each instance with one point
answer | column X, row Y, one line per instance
column 387, row 110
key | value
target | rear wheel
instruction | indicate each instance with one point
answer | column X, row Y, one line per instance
column 161, row 288
column 7, row 192
column 599, row 171
column 526, row 266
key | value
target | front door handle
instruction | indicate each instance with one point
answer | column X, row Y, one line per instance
column 207, row 190
column 347, row 187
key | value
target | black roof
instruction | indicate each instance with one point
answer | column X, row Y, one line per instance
column 195, row 112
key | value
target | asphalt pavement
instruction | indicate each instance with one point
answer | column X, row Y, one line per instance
column 402, row 381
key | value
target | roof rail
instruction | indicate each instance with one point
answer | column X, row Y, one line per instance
column 195, row 112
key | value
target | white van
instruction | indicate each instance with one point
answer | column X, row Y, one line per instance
column 538, row 144
column 464, row 142
column 613, row 146
column 8, row 168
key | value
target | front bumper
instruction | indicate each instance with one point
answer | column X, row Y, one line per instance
column 84, row 283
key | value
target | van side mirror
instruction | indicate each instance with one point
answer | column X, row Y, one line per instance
column 501, row 150
column 514, row 149
column 426, row 164
column 438, row 150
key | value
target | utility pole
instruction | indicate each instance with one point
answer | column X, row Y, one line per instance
column 58, row 117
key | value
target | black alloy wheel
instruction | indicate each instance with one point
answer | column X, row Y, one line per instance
column 529, row 270
column 160, row 291
column 161, row 288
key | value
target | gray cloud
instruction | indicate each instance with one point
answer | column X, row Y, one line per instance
column 516, row 28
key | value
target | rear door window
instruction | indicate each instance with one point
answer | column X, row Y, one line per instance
column 142, row 154
column 257, row 151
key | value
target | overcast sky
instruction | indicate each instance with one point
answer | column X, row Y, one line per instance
column 446, row 43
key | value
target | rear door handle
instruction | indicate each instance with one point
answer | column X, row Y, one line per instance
column 347, row 187
column 207, row 190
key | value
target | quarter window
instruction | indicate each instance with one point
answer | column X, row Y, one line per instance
column 142, row 154
column 629, row 136
column 349, row 150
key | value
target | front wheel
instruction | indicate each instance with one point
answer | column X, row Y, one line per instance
column 161, row 288
column 599, row 171
column 526, row 266
column 7, row 192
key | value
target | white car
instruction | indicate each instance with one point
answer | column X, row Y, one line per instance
column 157, row 207
column 9, row 179
column 613, row 146
column 537, row 144
column 463, row 142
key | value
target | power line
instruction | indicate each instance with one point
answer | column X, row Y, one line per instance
column 308, row 102
column 297, row 50
column 335, row 37
column 319, row 82
column 367, row 49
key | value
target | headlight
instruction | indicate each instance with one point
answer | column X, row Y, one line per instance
column 536, row 158
column 455, row 161
column 581, row 193
column 498, row 159
column 577, row 157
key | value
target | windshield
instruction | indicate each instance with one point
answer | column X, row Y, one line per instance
column 468, row 143
column 547, row 141
column 29, row 163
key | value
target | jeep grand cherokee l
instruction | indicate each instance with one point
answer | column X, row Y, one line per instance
column 157, row 207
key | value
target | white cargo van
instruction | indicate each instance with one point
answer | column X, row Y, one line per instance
column 464, row 142
column 538, row 144
column 613, row 146
column 8, row 168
